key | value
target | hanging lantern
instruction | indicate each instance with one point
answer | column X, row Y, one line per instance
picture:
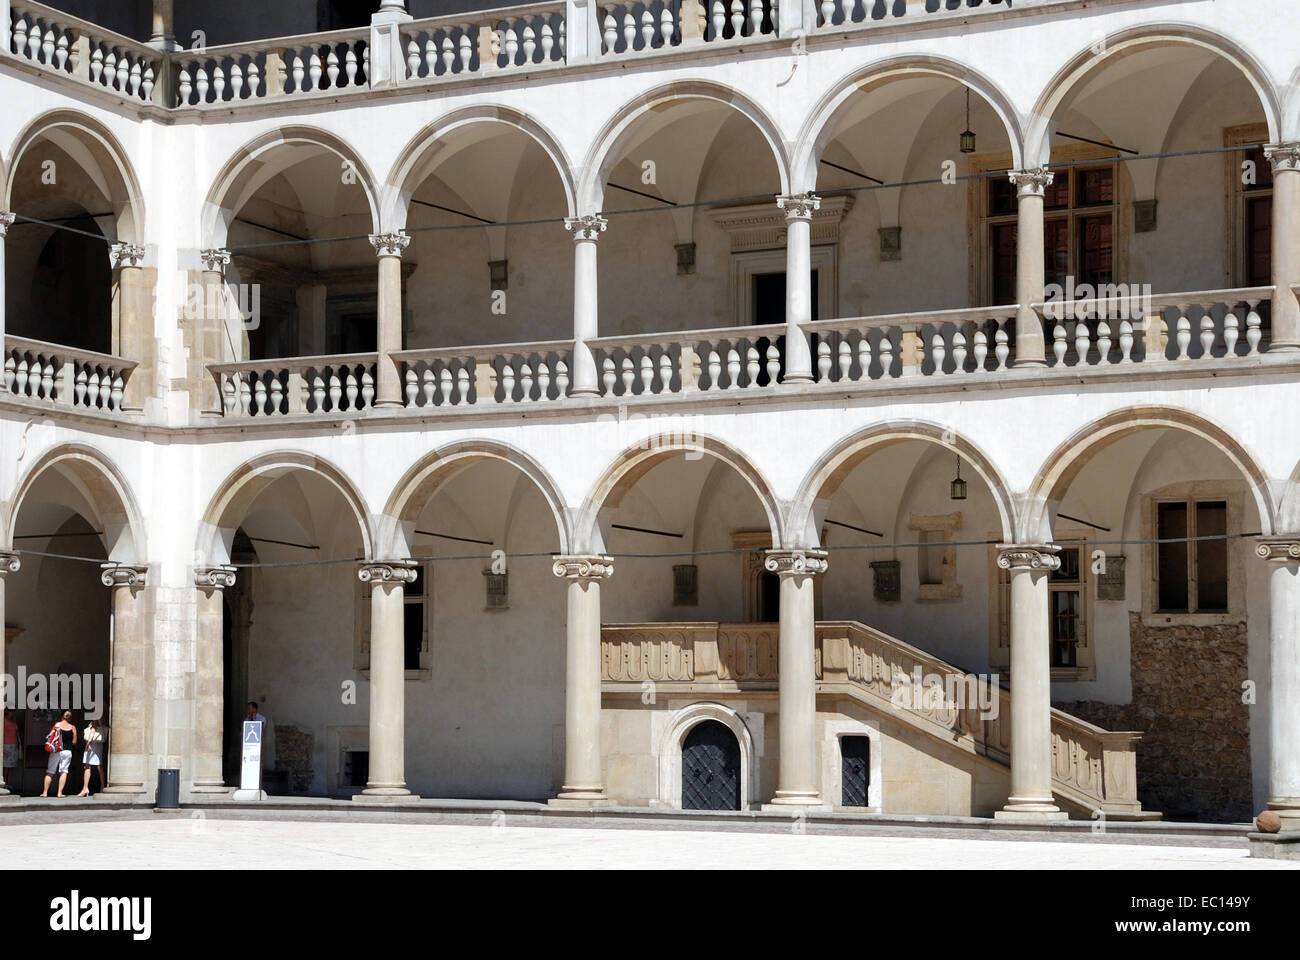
column 957, row 488
column 967, row 135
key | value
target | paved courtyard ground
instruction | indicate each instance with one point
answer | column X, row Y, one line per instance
column 230, row 844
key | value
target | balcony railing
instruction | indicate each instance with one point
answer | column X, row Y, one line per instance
column 64, row 376
column 529, row 37
column 312, row 386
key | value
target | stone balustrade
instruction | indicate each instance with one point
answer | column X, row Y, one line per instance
column 317, row 63
column 491, row 40
column 79, row 49
column 909, row 345
column 1210, row 325
column 1093, row 767
column 515, row 373
column 846, row 14
column 64, row 376
column 320, row 386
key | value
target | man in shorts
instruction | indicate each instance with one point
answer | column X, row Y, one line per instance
column 61, row 759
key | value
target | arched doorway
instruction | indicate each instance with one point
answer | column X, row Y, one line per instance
column 710, row 768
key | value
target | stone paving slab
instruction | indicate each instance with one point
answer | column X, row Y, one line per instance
column 210, row 843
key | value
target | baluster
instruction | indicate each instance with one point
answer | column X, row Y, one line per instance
column 298, row 73
column 97, row 69
column 1207, row 335
column 335, row 390
column 61, row 52
column 1254, row 330
column 462, row 383
column 245, row 395
column 121, row 72
column 448, row 53
column 561, row 39
column 34, row 42
column 350, row 387
column 751, row 365
column 718, row 18
column 629, row 31
column 938, row 352
column 1183, row 335
column 21, row 377
column 236, row 81
column 428, row 383
column 228, row 394
column 119, row 387
column 412, row 387
column 147, row 84
column 561, row 379
column 110, row 67
column 332, row 69
column 445, row 384
column 412, row 59
column 277, row 393
column 737, row 17
column 367, row 387
column 667, row 25
column 773, row 363
column 958, row 351
column 607, row 375
column 1103, row 342
column 466, row 49
column 886, row 356
column 864, row 356
column 755, row 17
column 610, row 31
column 1001, row 348
column 20, row 36
column 507, row 381
column 1230, row 333
column 1058, row 343
column 79, row 390
column 430, row 57
column 647, row 29
column 314, row 70
column 47, row 380
column 254, row 79
column 1125, row 341
column 259, row 392
column 93, row 389
column 530, row 43
column 823, row 360
column 846, row 359
column 548, row 42
column 647, row 373
column 218, row 83
column 525, row 382
column 1082, row 342
column 318, row 392
column 981, row 348
column 202, row 84
column 665, row 372
column 543, row 380
column 350, row 66
column 511, row 45
column 47, row 47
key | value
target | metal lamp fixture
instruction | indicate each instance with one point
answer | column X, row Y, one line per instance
column 968, row 135
column 957, row 488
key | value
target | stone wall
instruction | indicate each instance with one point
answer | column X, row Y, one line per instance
column 293, row 755
column 1194, row 758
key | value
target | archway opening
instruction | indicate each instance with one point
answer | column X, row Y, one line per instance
column 711, row 770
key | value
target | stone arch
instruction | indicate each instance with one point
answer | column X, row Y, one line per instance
column 1291, row 108
column 605, row 150
column 638, row 460
column 100, row 156
column 426, row 477
column 232, row 499
column 1064, row 463
column 669, row 751
column 264, row 157
column 834, row 467
column 819, row 128
column 413, row 164
column 102, row 485
column 1127, row 41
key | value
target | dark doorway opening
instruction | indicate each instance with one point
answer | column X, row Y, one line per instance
column 710, row 768
column 855, row 771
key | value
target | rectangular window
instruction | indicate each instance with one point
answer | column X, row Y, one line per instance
column 414, row 629
column 1192, row 574
column 1250, row 208
column 930, row 556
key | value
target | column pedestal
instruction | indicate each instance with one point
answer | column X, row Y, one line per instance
column 583, row 784
column 1031, row 684
column 131, row 680
column 798, row 783
column 387, row 579
column 9, row 563
column 209, row 682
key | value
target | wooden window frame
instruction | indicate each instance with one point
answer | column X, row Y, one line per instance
column 1190, row 492
column 979, row 222
column 1236, row 197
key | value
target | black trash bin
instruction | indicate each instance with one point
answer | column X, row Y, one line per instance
column 169, row 790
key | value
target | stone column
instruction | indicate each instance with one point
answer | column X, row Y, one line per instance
column 1285, row 158
column 209, row 337
column 133, row 337
column 1283, row 556
column 798, row 781
column 1030, row 273
column 583, row 784
column 131, row 680
column 387, row 579
column 9, row 563
column 586, row 231
column 6, row 221
column 388, row 383
column 209, row 678
column 163, row 34
column 1031, row 683
column 798, row 289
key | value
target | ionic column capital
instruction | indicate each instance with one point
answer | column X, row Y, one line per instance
column 799, row 206
column 215, row 261
column 1283, row 156
column 214, row 578
column 9, row 563
column 390, row 244
column 588, row 227
column 1278, row 549
column 388, row 571
column 583, row 567
column 123, row 574
column 1031, row 183
column 1029, row 556
column 792, row 563
column 123, row 254
column 6, row 221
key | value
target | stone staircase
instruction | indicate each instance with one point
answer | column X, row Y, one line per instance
column 1094, row 771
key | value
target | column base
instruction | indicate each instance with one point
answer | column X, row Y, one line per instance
column 391, row 404
column 1288, row 809
column 125, row 790
column 785, row 799
column 385, row 795
column 798, row 378
column 580, row 798
column 1031, row 809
